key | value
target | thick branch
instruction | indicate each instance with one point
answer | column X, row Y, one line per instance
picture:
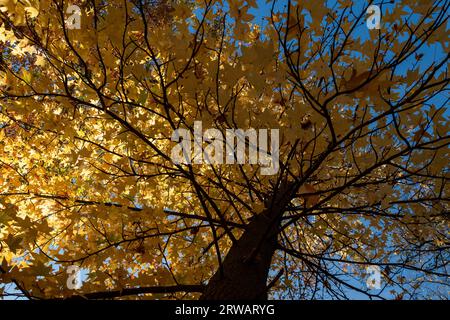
column 136, row 291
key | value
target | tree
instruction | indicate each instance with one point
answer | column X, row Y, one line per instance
column 88, row 116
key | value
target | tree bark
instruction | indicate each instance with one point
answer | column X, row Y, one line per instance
column 247, row 264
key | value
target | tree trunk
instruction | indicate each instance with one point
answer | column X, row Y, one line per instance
column 247, row 264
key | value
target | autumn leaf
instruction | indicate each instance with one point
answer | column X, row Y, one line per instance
column 307, row 192
column 330, row 148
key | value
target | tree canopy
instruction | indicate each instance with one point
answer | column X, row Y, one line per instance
column 87, row 115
